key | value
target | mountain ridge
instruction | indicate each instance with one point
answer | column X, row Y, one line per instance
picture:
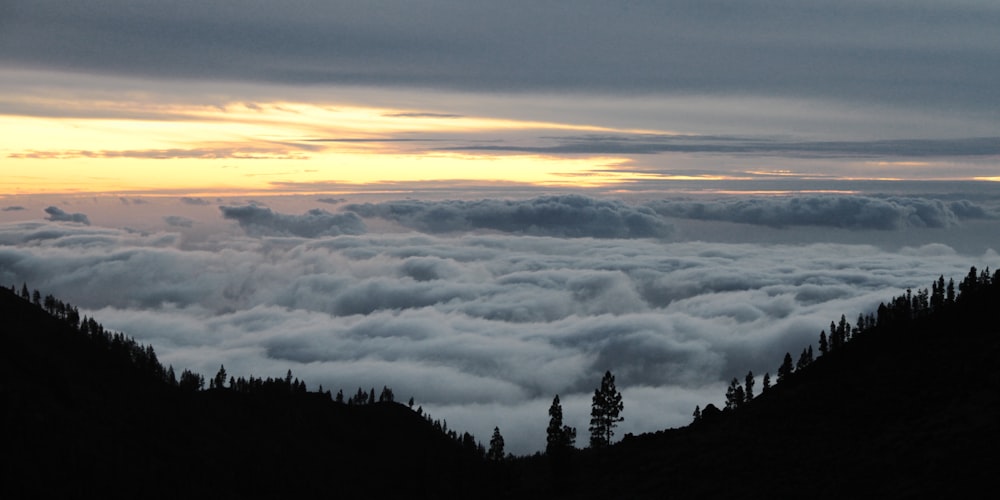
column 908, row 408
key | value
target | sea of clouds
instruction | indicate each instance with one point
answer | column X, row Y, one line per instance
column 484, row 310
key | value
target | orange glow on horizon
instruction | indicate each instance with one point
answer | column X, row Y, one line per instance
column 137, row 144
column 115, row 147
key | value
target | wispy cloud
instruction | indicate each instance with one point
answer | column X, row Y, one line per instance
column 421, row 115
column 241, row 153
column 650, row 144
column 189, row 200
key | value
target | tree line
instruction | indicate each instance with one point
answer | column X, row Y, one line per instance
column 909, row 306
column 606, row 403
column 606, row 408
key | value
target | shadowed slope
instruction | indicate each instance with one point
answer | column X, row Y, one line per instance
column 909, row 409
column 79, row 418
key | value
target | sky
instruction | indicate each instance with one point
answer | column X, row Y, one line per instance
column 483, row 205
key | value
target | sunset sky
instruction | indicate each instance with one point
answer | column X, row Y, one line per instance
column 488, row 203
column 137, row 96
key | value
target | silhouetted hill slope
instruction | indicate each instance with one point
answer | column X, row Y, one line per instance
column 905, row 410
column 80, row 419
column 909, row 408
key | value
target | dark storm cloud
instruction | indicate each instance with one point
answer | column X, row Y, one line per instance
column 561, row 216
column 852, row 212
column 262, row 221
column 655, row 144
column 922, row 53
column 13, row 208
column 59, row 215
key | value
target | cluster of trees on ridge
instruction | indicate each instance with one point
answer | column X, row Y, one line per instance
column 605, row 414
column 607, row 406
column 906, row 307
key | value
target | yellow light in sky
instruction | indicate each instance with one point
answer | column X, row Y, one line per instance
column 261, row 147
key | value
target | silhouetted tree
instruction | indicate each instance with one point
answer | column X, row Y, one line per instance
column 171, row 376
column 496, row 453
column 25, row 294
column 767, row 383
column 386, row 396
column 805, row 359
column 734, row 394
column 697, row 413
column 786, row 368
column 748, row 386
column 824, row 347
column 191, row 381
column 219, row 381
column 971, row 281
column 843, row 330
column 605, row 412
column 937, row 293
column 360, row 398
column 559, row 437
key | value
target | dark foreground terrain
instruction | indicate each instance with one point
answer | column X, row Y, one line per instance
column 908, row 408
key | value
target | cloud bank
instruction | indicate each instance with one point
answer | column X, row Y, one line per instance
column 852, row 212
column 573, row 216
column 481, row 329
column 570, row 216
column 261, row 221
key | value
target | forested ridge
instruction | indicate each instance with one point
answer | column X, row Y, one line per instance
column 903, row 403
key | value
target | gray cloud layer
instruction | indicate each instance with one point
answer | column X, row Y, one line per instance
column 562, row 216
column 853, row 212
column 581, row 216
column 178, row 221
column 261, row 221
column 481, row 329
column 923, row 53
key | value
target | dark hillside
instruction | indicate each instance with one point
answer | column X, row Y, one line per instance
column 908, row 409
column 80, row 418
